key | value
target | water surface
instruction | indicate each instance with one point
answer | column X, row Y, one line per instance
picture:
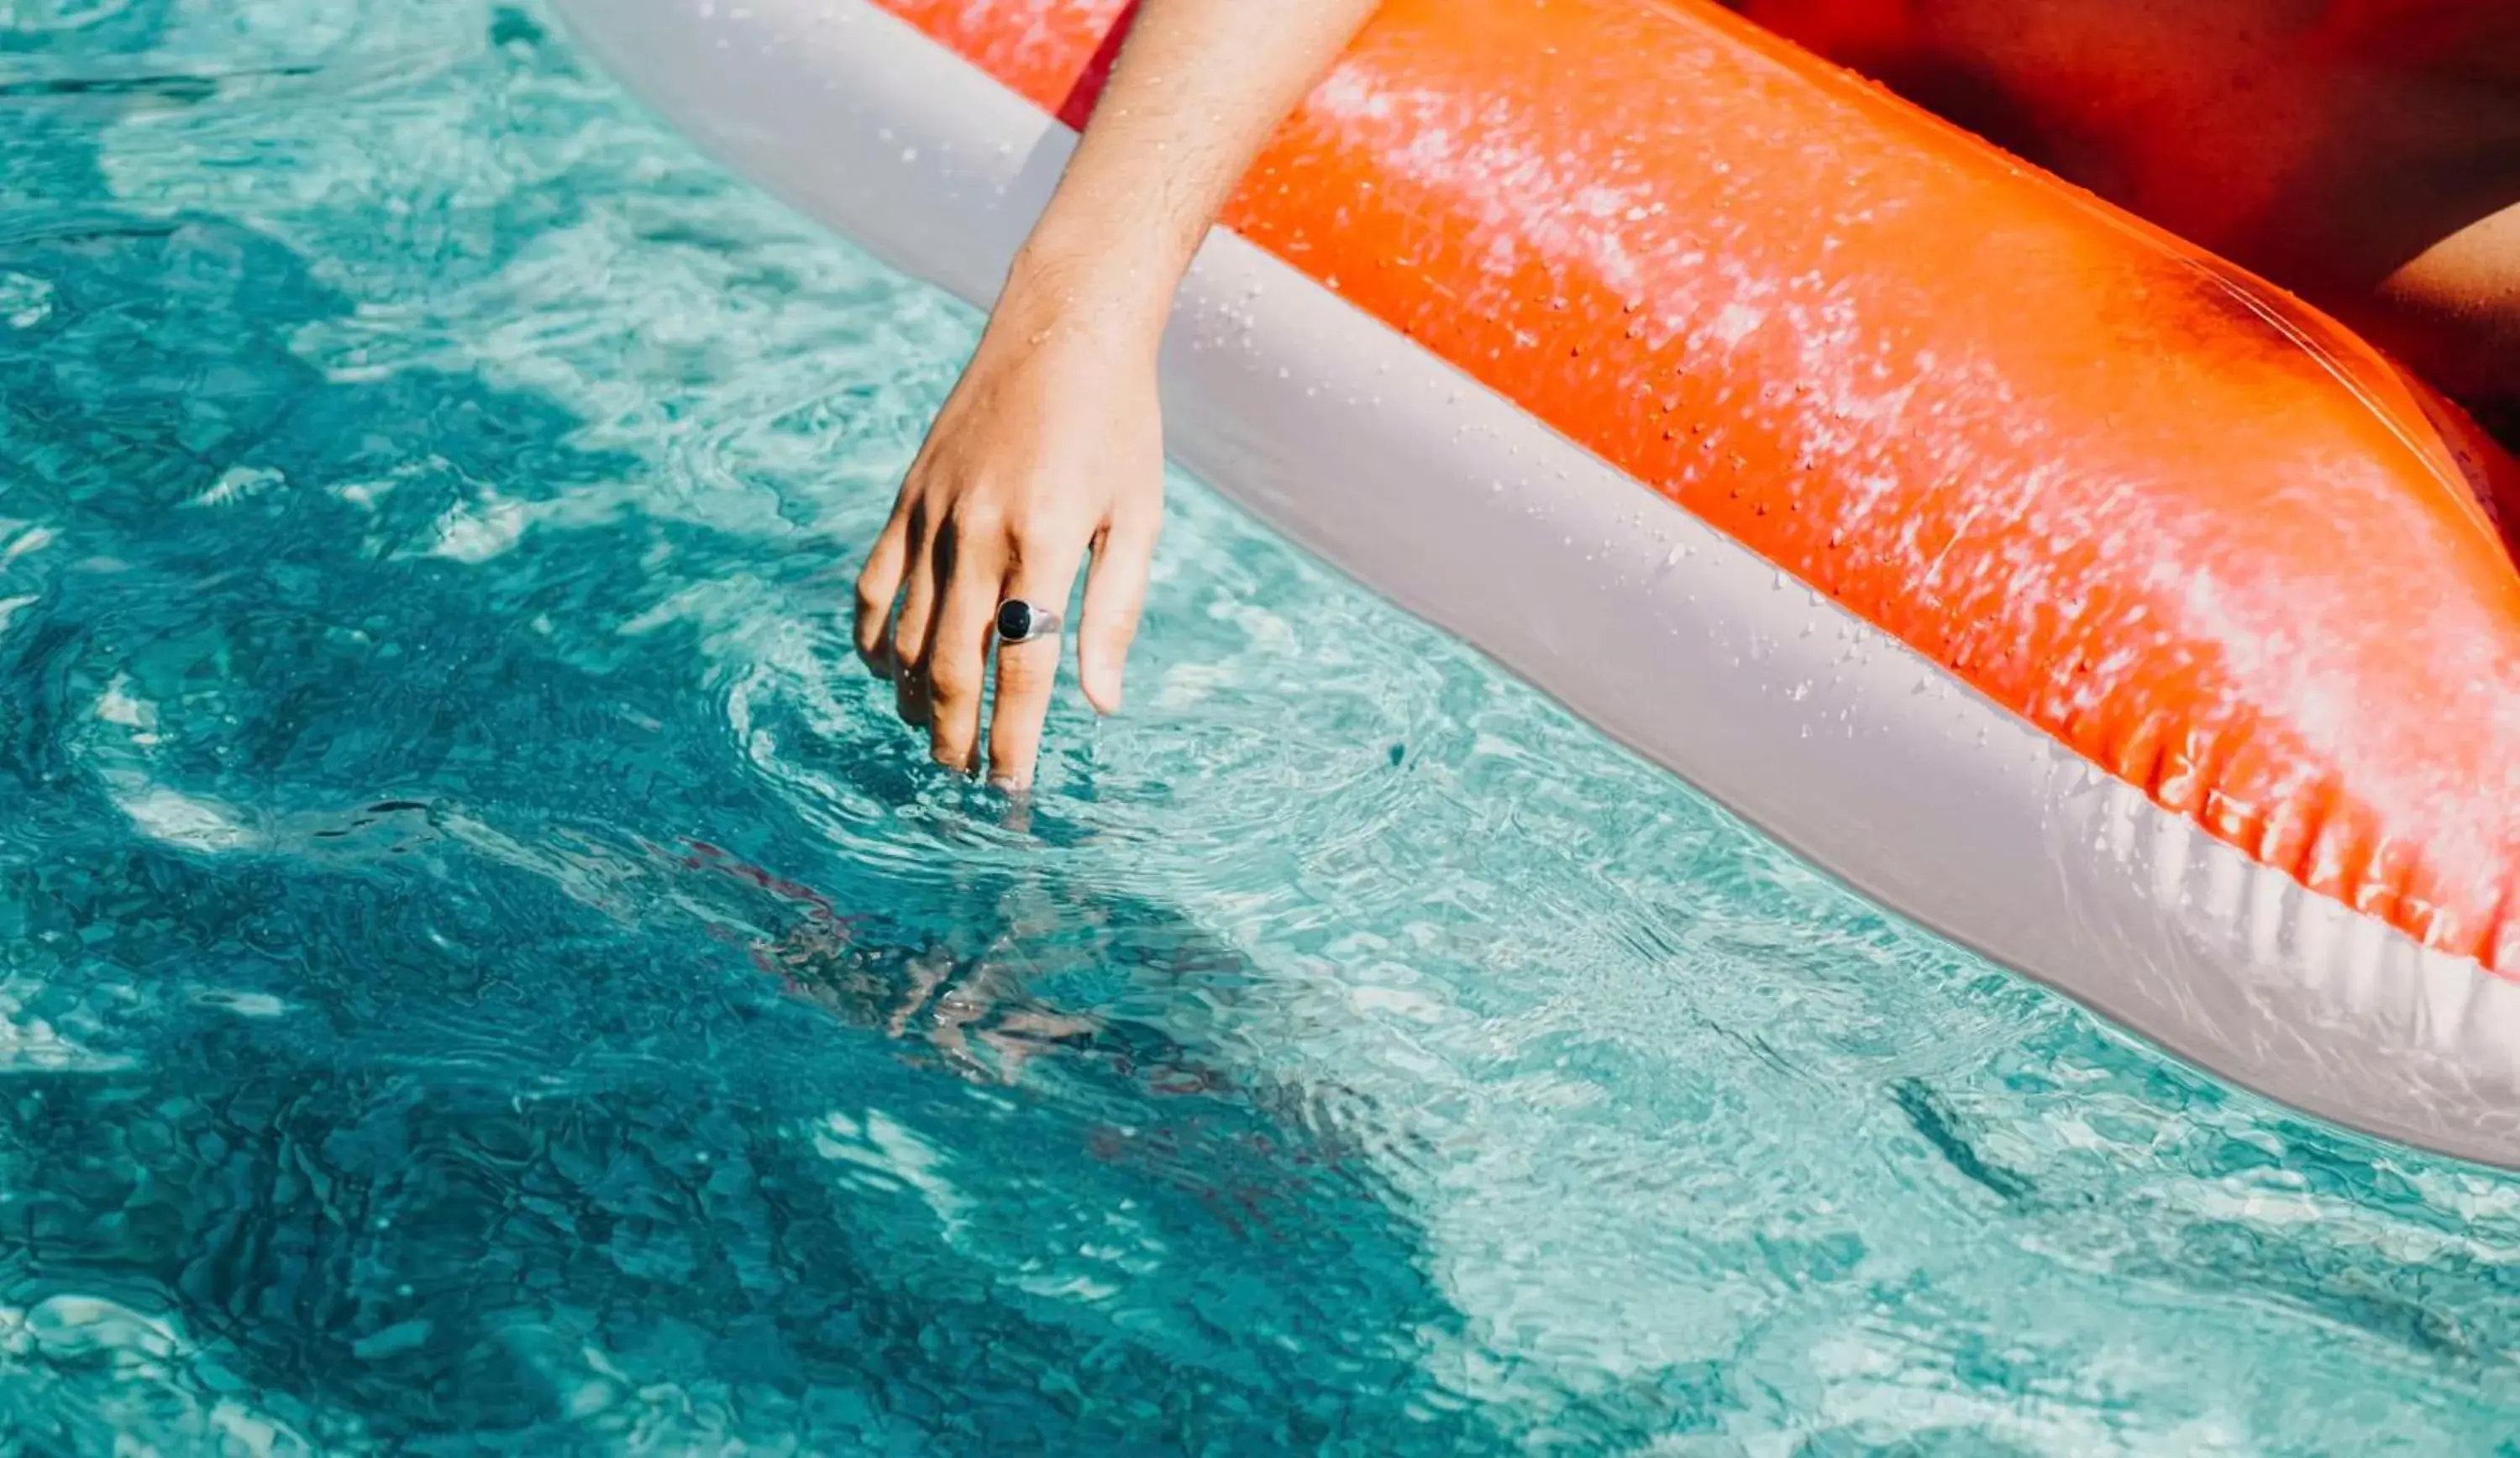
column 479, row 968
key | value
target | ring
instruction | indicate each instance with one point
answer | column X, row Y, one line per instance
column 1019, row 621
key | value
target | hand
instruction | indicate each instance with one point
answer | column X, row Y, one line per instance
column 1051, row 444
column 1049, row 447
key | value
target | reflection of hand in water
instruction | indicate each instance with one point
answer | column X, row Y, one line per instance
column 1257, row 1153
column 924, row 995
column 1252, row 1154
column 948, row 1004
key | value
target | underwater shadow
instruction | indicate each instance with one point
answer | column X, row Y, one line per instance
column 399, row 1072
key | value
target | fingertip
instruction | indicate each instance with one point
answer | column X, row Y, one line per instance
column 876, row 654
column 1015, row 731
column 909, row 703
column 1115, row 596
column 877, row 592
column 1102, row 691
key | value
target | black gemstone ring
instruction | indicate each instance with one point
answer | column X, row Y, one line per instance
column 1019, row 621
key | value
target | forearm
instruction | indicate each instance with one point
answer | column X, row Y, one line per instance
column 1050, row 447
column 1199, row 89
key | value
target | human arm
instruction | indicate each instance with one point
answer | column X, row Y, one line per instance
column 2452, row 312
column 1051, row 444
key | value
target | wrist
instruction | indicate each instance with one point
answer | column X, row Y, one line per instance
column 1115, row 284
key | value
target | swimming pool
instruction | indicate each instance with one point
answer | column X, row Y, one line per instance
column 482, row 969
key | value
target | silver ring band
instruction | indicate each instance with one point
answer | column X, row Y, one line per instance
column 1019, row 621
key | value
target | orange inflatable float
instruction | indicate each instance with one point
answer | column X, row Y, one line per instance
column 2063, row 586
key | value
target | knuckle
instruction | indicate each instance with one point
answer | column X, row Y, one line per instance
column 949, row 681
column 976, row 515
column 1037, row 527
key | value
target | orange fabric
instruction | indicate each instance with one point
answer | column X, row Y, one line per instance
column 2175, row 518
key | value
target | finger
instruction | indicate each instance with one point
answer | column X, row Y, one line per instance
column 1028, row 672
column 878, row 588
column 1115, row 598
column 915, row 619
column 957, row 649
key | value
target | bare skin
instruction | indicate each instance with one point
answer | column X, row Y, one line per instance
column 2364, row 153
column 1051, row 446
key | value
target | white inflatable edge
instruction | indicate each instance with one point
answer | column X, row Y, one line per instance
column 1822, row 731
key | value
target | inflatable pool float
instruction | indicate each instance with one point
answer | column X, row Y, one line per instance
column 2057, row 584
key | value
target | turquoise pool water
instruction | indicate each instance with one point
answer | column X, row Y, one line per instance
column 480, row 970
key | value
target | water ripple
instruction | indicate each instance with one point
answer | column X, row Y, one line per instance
column 480, row 967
